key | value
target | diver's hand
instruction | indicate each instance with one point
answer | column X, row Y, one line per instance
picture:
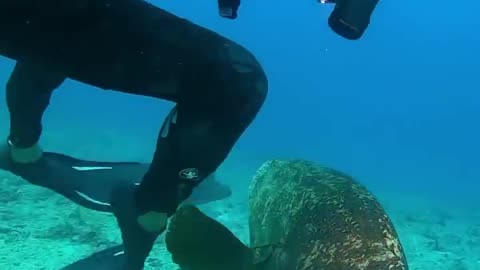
column 228, row 8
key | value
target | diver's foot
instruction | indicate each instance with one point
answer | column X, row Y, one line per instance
column 138, row 232
column 24, row 162
column 27, row 155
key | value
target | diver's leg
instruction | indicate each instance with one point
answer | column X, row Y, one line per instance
column 219, row 87
column 28, row 93
column 194, row 140
column 198, row 134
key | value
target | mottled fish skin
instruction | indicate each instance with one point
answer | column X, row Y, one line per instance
column 319, row 219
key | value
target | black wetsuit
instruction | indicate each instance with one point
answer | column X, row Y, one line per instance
column 134, row 47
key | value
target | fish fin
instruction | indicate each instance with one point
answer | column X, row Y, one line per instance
column 107, row 259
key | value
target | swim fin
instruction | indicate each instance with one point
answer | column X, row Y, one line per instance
column 108, row 259
column 198, row 242
column 90, row 183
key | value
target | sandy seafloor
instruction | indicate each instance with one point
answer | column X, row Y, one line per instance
column 40, row 230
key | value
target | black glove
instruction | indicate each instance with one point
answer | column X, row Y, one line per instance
column 228, row 8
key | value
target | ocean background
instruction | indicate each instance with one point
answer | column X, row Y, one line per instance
column 398, row 110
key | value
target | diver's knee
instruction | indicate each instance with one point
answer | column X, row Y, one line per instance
column 250, row 87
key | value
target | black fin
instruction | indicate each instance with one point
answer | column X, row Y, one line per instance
column 90, row 183
column 198, row 242
column 108, row 259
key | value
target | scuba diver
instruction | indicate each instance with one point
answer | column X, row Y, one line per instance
column 134, row 47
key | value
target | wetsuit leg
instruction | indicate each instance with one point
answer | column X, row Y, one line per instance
column 211, row 114
column 28, row 91
column 218, row 86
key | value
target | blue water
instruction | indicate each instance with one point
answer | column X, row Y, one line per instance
column 398, row 109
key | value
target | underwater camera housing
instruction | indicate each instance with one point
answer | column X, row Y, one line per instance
column 228, row 8
column 350, row 18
